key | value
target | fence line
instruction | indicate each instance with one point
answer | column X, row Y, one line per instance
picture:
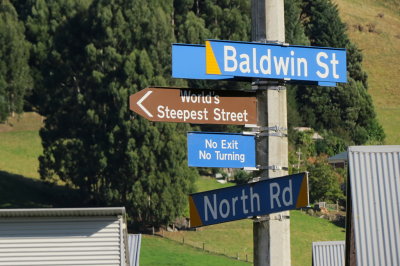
column 242, row 256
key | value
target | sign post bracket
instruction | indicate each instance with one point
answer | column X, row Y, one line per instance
column 260, row 131
column 279, row 217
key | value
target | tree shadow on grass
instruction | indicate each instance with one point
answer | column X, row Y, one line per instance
column 340, row 222
column 17, row 191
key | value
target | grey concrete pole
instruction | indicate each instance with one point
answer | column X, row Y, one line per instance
column 271, row 233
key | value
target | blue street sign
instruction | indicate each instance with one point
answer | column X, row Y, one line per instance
column 189, row 62
column 248, row 200
column 326, row 66
column 225, row 150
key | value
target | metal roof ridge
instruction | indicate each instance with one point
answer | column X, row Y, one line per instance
column 328, row 243
column 375, row 148
column 58, row 212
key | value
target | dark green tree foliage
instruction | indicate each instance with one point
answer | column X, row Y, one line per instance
column 91, row 139
column 227, row 19
column 330, row 144
column 15, row 78
column 354, row 64
column 347, row 109
column 197, row 20
column 294, row 29
column 242, row 176
column 43, row 19
column 323, row 25
column 294, row 34
column 324, row 182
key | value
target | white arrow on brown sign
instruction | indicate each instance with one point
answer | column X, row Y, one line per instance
column 195, row 106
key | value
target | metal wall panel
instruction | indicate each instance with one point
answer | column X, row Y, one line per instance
column 328, row 253
column 134, row 242
column 375, row 188
column 60, row 241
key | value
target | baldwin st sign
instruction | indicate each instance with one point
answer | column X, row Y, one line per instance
column 195, row 106
column 224, row 150
column 249, row 200
column 326, row 66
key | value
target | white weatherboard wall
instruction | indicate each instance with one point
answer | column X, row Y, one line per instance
column 375, row 190
column 51, row 237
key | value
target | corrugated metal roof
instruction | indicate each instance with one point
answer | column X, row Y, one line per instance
column 134, row 242
column 340, row 157
column 375, row 188
column 328, row 253
column 61, row 241
column 65, row 212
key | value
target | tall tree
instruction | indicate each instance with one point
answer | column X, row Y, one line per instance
column 15, row 78
column 42, row 20
column 323, row 25
column 294, row 28
column 294, row 34
column 347, row 109
column 91, row 139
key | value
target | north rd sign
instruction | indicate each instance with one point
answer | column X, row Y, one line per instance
column 195, row 106
column 272, row 61
column 248, row 200
column 225, row 150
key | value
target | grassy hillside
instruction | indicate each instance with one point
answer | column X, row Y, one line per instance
column 375, row 27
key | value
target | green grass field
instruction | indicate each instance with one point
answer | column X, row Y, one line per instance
column 208, row 183
column 20, row 145
column 374, row 27
column 236, row 238
column 19, row 152
column 161, row 251
column 304, row 230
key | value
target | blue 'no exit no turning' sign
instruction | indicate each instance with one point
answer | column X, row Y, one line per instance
column 225, row 150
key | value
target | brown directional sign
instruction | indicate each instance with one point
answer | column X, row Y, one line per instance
column 195, row 106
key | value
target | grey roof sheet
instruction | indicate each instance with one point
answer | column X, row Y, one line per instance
column 339, row 157
column 62, row 212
